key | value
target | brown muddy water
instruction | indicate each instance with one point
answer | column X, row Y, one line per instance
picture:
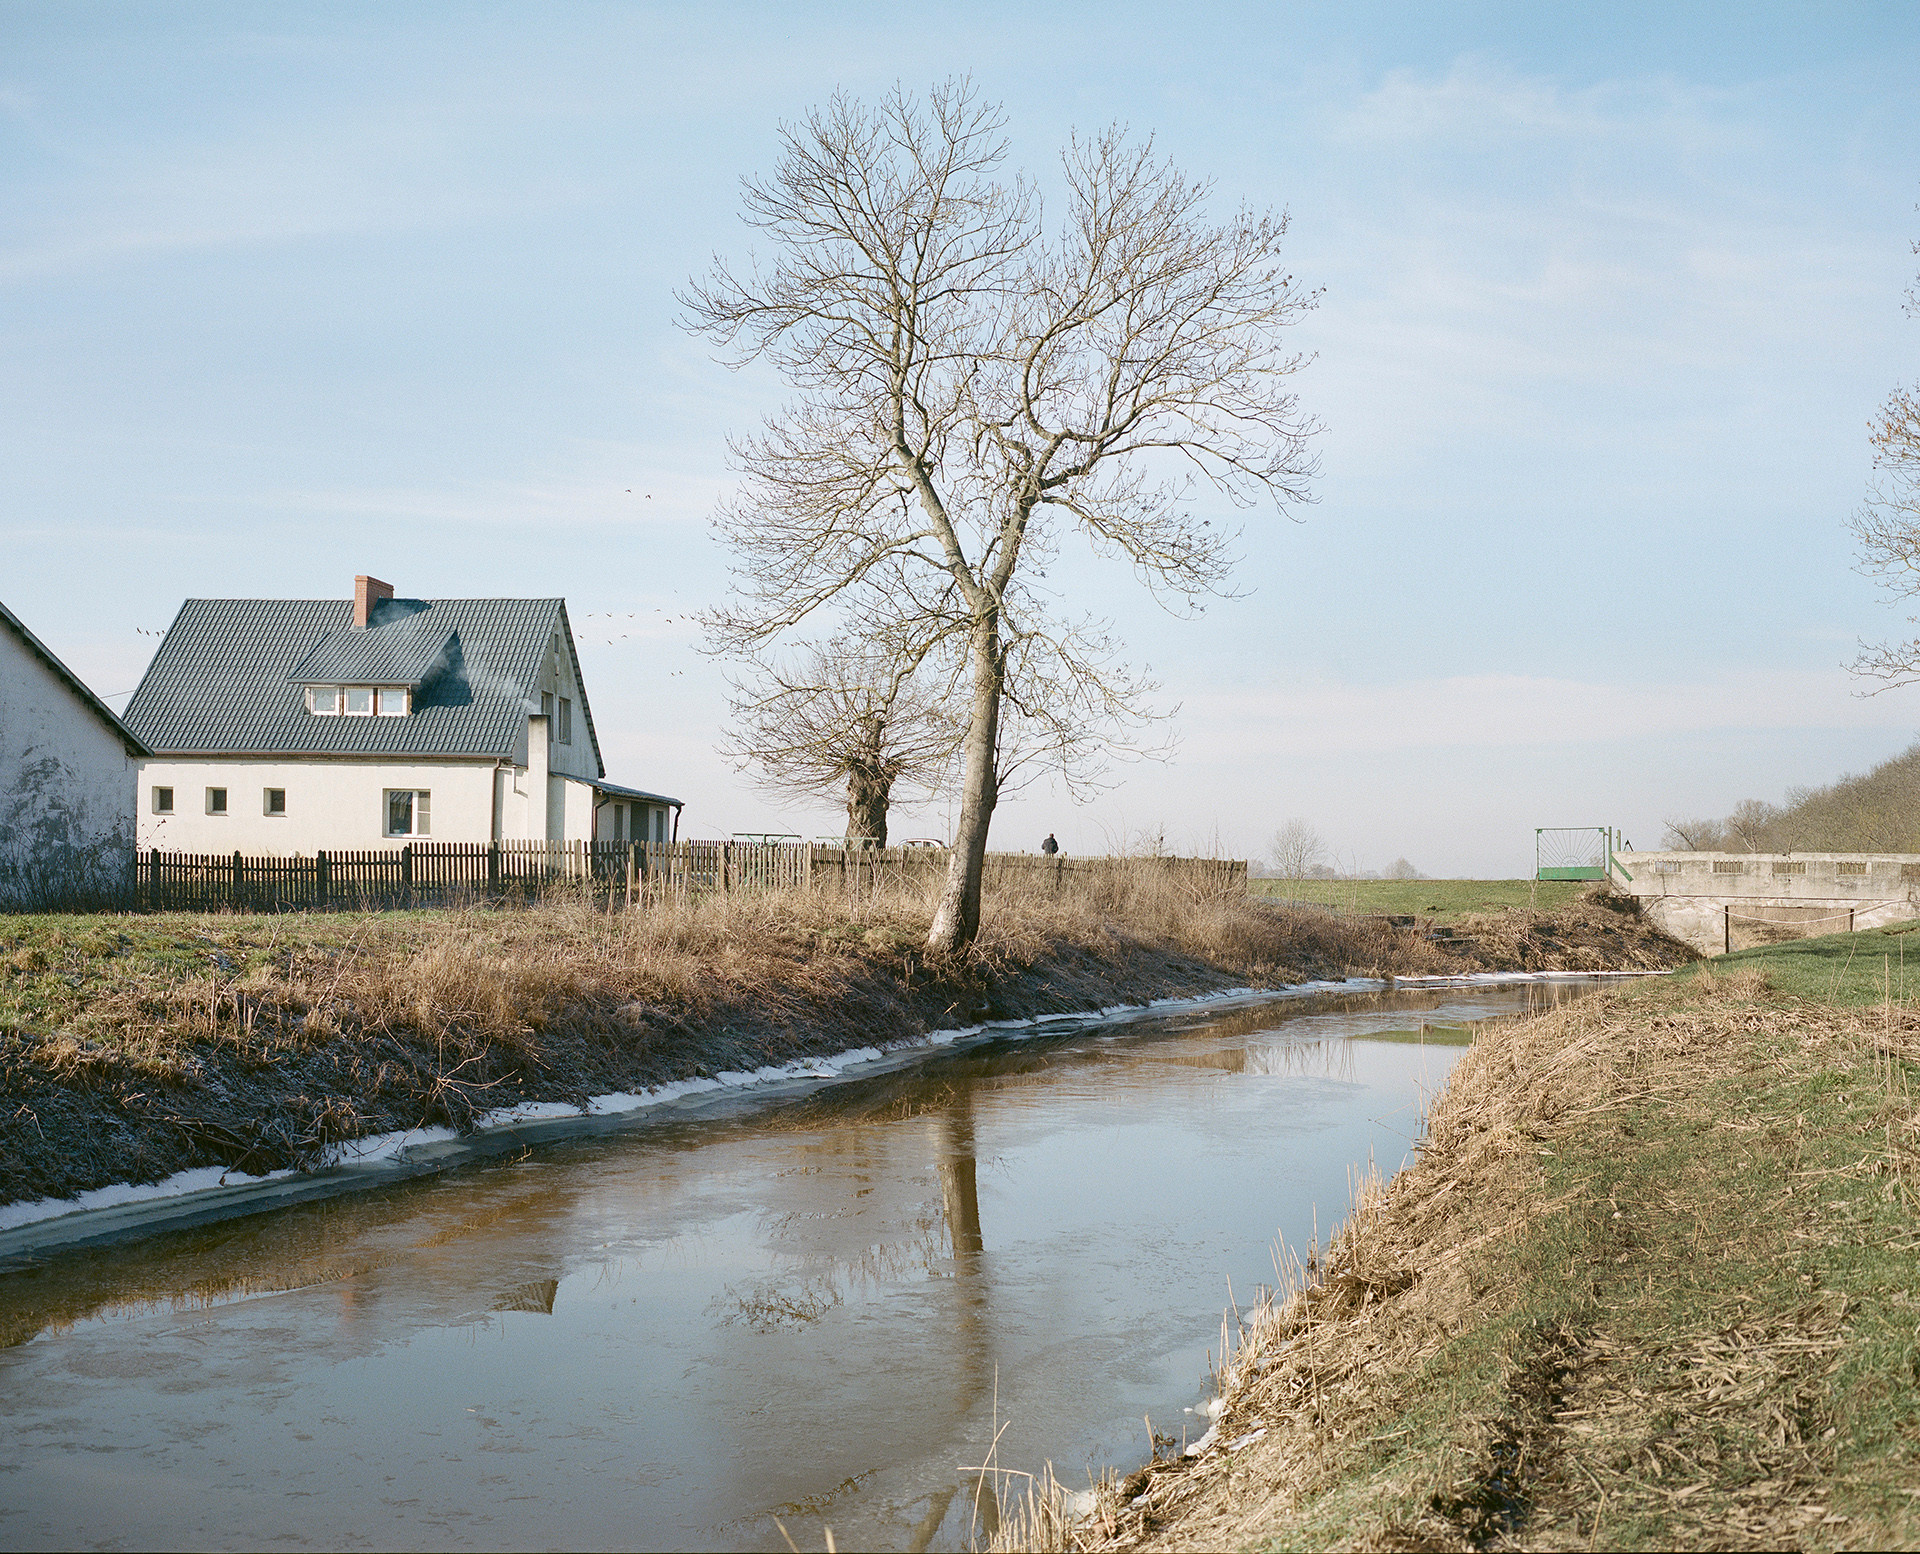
column 816, row 1309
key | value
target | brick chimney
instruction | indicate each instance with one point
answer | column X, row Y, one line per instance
column 367, row 592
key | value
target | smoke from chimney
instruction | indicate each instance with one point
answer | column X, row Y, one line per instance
column 367, row 592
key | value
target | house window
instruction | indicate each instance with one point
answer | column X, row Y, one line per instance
column 216, row 801
column 1798, row 866
column 546, row 706
column 408, row 812
column 273, row 801
column 359, row 702
column 163, row 801
column 323, row 701
column 1850, row 868
column 393, row 703
column 566, row 721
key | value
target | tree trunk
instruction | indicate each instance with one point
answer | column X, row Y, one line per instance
column 867, row 794
column 957, row 919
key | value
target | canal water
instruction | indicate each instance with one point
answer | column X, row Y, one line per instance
column 813, row 1312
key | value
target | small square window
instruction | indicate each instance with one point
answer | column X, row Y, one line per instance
column 408, row 812
column 216, row 801
column 273, row 801
column 163, row 801
column 323, row 701
column 359, row 702
column 393, row 703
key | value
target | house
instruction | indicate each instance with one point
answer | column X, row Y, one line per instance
column 285, row 726
column 67, row 773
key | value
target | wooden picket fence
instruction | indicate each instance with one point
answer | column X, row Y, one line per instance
column 614, row 874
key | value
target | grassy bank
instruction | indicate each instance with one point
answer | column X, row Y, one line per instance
column 133, row 1047
column 1651, row 1283
column 1438, row 901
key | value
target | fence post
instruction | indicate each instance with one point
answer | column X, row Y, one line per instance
column 406, row 874
column 493, row 868
column 320, row 879
column 726, row 867
column 239, row 874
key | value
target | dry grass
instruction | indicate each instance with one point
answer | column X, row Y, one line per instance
column 131, row 1047
column 1650, row 1284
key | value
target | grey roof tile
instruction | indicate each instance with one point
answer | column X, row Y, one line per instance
column 401, row 646
column 224, row 680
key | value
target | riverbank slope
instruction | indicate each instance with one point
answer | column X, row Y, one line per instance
column 135, row 1047
column 1650, row 1284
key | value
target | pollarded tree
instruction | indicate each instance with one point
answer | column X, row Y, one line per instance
column 976, row 380
column 846, row 715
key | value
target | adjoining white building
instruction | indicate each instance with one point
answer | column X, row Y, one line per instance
column 285, row 726
column 67, row 772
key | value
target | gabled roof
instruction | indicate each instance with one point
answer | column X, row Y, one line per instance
column 401, row 646
column 74, row 683
column 228, row 677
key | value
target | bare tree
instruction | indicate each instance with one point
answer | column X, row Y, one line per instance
column 1750, row 822
column 974, row 382
column 1400, row 869
column 1694, row 836
column 1887, row 527
column 847, row 714
column 1296, row 849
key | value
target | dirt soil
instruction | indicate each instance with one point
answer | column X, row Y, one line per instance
column 132, row 1048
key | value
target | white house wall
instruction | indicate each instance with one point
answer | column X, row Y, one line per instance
column 66, row 785
column 336, row 805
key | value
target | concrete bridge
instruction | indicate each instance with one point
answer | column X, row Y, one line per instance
column 1719, row 902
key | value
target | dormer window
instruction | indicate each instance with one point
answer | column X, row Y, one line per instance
column 359, row 701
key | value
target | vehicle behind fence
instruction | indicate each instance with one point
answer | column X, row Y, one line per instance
column 614, row 874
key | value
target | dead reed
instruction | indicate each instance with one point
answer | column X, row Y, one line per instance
column 1649, row 1285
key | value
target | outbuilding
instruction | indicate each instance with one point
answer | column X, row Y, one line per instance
column 67, row 772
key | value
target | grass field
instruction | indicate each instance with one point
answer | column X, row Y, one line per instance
column 1441, row 900
column 1843, row 968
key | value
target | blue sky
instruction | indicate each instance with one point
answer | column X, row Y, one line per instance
column 289, row 293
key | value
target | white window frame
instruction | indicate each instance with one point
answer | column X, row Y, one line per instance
column 332, row 691
column 158, row 807
column 223, row 807
column 380, row 701
column 266, row 803
column 349, row 692
column 419, row 812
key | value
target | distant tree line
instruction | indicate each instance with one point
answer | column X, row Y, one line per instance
column 1878, row 811
column 1298, row 852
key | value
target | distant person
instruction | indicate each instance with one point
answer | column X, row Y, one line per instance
column 1049, row 846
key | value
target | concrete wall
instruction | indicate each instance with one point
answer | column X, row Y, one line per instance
column 1690, row 894
column 66, row 789
column 332, row 804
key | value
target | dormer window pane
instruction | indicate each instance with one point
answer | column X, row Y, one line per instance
column 393, row 704
column 323, row 701
column 359, row 702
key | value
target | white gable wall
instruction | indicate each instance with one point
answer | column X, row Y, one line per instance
column 66, row 787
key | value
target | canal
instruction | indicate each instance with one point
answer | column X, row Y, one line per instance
column 815, row 1311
